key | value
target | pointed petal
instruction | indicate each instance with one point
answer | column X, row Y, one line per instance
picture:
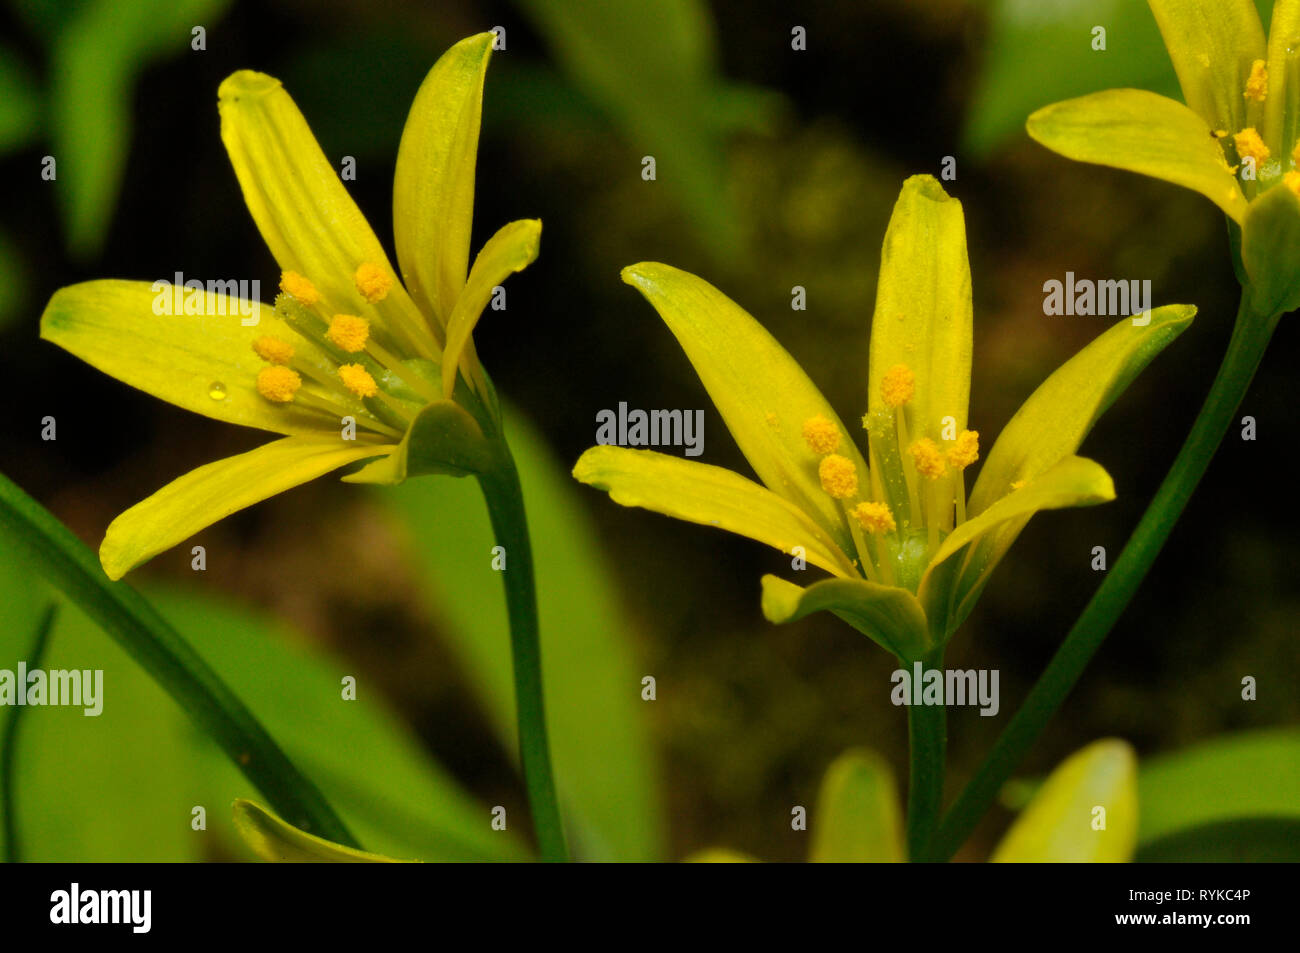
column 764, row 396
column 949, row 595
column 711, row 496
column 1142, row 132
column 513, row 248
column 1270, row 251
column 1213, row 44
column 433, row 188
column 113, row 325
column 858, row 819
column 1060, row 824
column 923, row 306
column 889, row 616
column 1282, row 107
column 1052, row 423
column 305, row 215
column 278, row 841
column 212, row 492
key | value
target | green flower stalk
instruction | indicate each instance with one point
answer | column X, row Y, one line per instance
column 354, row 366
column 906, row 550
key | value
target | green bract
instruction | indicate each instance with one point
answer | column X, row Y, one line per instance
column 908, row 555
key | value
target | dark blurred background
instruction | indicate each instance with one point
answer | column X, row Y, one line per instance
column 783, row 174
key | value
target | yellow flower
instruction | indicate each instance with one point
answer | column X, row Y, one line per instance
column 351, row 364
column 1236, row 138
column 927, row 551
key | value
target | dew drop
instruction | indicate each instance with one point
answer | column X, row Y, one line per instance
column 217, row 390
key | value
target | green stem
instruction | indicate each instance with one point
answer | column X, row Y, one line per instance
column 1250, row 337
column 161, row 651
column 505, row 503
column 8, row 800
column 927, row 730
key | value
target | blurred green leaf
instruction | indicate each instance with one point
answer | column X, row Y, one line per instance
column 1249, row 840
column 651, row 65
column 9, row 741
column 858, row 819
column 20, row 103
column 1248, row 775
column 604, row 765
column 14, row 282
column 274, row 840
column 97, row 54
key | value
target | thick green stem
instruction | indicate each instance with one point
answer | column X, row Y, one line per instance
column 505, row 504
column 1250, row 337
column 9, row 745
column 927, row 730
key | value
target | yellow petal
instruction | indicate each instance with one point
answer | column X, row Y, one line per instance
column 278, row 841
column 763, row 395
column 710, row 496
column 889, row 616
column 511, row 249
column 305, row 215
column 212, row 492
column 1052, row 423
column 1282, row 108
column 433, row 189
column 1074, row 481
column 857, row 819
column 202, row 362
column 1213, row 44
column 719, row 855
column 923, row 306
column 1142, row 132
column 1085, row 812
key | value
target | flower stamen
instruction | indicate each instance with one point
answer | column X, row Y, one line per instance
column 300, row 288
column 278, row 384
column 821, row 435
column 272, row 349
column 373, row 283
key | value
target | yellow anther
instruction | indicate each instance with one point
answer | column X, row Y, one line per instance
column 372, row 281
column 278, row 384
column 1257, row 84
column 273, row 349
column 1292, row 181
column 839, row 476
column 1250, row 145
column 821, row 435
column 928, row 458
column 898, row 385
column 875, row 517
column 302, row 290
column 1019, row 484
column 358, row 380
column 965, row 450
column 349, row 332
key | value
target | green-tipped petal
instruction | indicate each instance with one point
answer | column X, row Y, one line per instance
column 889, row 616
column 184, row 359
column 444, row 438
column 1213, row 44
column 212, row 492
column 1282, row 107
column 277, row 841
column 1074, row 481
column 1085, row 812
column 1142, row 132
column 1052, row 423
column 433, row 188
column 513, row 248
column 1270, row 251
column 857, row 819
column 710, row 496
column 761, row 392
column 923, row 306
column 305, row 215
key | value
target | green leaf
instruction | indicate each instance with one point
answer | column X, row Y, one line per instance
column 20, row 103
column 274, row 840
column 67, row 564
column 604, row 767
column 9, row 742
column 888, row 615
column 1257, row 840
column 1270, row 251
column 1251, row 774
column 858, row 819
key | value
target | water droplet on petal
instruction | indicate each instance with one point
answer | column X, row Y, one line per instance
column 217, row 390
